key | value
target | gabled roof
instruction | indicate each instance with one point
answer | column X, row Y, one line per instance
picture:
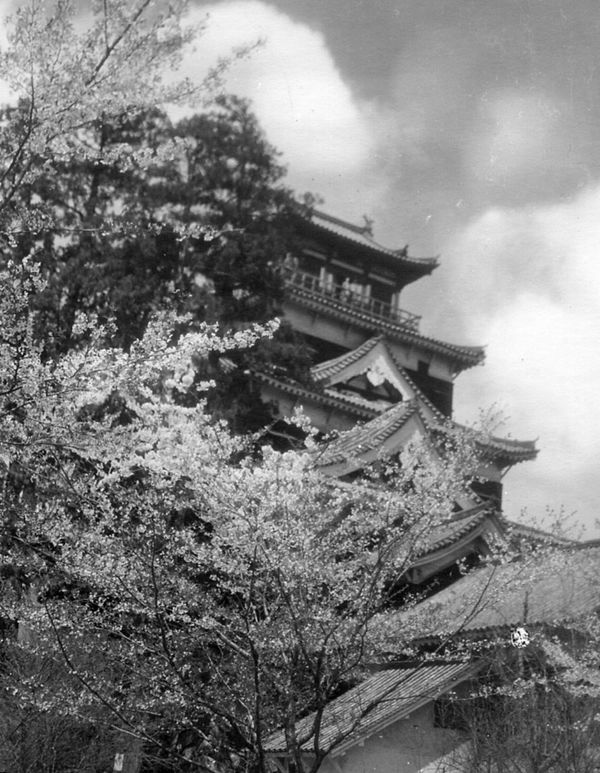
column 543, row 589
column 374, row 704
column 365, row 443
column 331, row 371
column 363, row 237
column 374, row 353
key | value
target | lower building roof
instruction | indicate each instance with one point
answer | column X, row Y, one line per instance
column 372, row 705
column 549, row 587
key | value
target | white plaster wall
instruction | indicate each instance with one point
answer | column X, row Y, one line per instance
column 409, row 355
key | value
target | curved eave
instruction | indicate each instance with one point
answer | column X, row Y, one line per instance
column 455, row 546
column 508, row 452
column 463, row 357
column 360, row 238
column 522, row 531
column 503, row 451
column 470, row 528
column 320, row 398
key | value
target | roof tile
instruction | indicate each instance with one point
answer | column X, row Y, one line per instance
column 367, row 437
column 451, row 531
column 466, row 356
column 375, row 703
column 538, row 590
column 362, row 235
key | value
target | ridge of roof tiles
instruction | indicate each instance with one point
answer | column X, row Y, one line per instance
column 467, row 355
column 518, row 450
column 374, row 407
column 368, row 436
column 526, row 447
column 324, row 370
column 363, row 235
column 375, row 703
column 333, row 399
column 447, row 533
column 541, row 590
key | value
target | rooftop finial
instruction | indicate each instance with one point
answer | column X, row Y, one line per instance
column 368, row 227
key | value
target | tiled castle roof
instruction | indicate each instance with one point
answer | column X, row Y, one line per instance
column 327, row 371
column 361, row 409
column 363, row 236
column 381, row 422
column 465, row 356
column 531, row 591
column 367, row 438
column 495, row 447
column 455, row 529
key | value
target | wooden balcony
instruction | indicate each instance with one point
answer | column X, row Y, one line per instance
column 328, row 291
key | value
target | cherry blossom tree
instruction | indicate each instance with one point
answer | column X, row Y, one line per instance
column 176, row 590
column 72, row 73
column 169, row 584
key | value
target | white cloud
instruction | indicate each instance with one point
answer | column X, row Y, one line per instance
column 328, row 138
column 517, row 133
column 533, row 278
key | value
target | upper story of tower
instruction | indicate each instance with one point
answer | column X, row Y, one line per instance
column 343, row 288
column 347, row 254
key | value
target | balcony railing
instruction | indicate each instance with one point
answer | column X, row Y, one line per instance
column 349, row 298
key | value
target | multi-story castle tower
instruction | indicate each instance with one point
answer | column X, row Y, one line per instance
column 377, row 376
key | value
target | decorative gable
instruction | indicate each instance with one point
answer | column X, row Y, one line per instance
column 372, row 370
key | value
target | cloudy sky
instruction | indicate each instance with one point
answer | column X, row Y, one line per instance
column 469, row 129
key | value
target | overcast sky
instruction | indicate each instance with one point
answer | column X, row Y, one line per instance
column 469, row 129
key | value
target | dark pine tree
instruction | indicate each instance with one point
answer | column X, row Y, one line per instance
column 199, row 222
